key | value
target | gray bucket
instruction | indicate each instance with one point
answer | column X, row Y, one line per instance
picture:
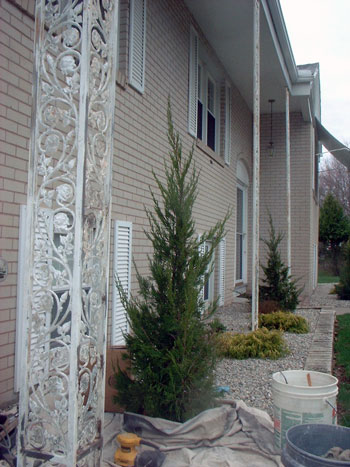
column 307, row 444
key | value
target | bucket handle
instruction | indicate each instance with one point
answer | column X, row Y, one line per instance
column 326, row 401
column 285, row 379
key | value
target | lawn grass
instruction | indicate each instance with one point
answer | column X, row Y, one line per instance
column 326, row 278
column 342, row 343
column 342, row 355
column 344, row 402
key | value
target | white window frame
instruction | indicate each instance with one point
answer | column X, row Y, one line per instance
column 122, row 259
column 198, row 58
column 243, row 235
column 137, row 46
column 315, row 266
column 206, row 77
column 242, row 184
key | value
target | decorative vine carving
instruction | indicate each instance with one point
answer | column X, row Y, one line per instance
column 73, row 112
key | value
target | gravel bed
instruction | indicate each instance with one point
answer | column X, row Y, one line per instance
column 250, row 380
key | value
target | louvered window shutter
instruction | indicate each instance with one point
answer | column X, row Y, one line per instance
column 228, row 125
column 201, row 292
column 20, row 318
column 44, row 248
column 137, row 44
column 222, row 259
column 122, row 269
column 193, row 84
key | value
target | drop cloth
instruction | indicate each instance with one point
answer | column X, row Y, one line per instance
column 233, row 435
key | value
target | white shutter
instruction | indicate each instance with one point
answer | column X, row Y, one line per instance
column 137, row 44
column 193, row 84
column 122, row 269
column 227, row 125
column 41, row 246
column 222, row 259
column 201, row 252
column 20, row 318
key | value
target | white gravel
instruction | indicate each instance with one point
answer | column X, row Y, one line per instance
column 250, row 380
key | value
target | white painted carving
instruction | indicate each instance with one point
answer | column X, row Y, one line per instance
column 61, row 410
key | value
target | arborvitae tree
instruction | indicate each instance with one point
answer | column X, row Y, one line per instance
column 170, row 347
column 343, row 288
column 279, row 285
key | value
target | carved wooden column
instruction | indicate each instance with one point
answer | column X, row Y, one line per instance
column 62, row 388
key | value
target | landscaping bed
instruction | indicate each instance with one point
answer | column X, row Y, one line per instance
column 250, row 379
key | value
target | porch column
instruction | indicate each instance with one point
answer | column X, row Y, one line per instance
column 67, row 248
column 289, row 229
column 256, row 167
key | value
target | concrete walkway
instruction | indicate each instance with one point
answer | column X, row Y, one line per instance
column 320, row 357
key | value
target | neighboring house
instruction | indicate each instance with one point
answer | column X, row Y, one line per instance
column 200, row 53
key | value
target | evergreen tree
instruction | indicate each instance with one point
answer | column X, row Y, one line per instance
column 279, row 286
column 171, row 350
column 334, row 229
column 343, row 288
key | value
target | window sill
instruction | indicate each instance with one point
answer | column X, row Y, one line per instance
column 209, row 152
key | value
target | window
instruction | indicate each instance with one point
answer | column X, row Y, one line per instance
column 137, row 44
column 122, row 269
column 207, row 108
column 208, row 288
column 241, row 223
column 315, row 266
column 204, row 95
column 240, row 236
column 211, row 113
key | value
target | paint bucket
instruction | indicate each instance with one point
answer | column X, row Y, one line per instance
column 301, row 397
column 306, row 445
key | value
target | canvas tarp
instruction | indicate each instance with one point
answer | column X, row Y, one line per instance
column 233, row 435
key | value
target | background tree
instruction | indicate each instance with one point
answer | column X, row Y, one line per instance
column 334, row 178
column 343, row 288
column 170, row 346
column 333, row 228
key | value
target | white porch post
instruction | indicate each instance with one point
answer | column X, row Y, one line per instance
column 67, row 248
column 289, row 229
column 256, row 168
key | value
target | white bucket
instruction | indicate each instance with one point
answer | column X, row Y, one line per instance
column 297, row 402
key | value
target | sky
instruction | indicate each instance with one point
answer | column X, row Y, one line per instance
column 319, row 31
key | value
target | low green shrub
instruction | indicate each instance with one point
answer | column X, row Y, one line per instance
column 261, row 343
column 284, row 321
column 216, row 326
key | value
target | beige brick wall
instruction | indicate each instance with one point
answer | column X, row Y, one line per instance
column 141, row 137
column 304, row 209
column 16, row 43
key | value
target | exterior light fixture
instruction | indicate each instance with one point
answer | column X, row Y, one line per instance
column 271, row 147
